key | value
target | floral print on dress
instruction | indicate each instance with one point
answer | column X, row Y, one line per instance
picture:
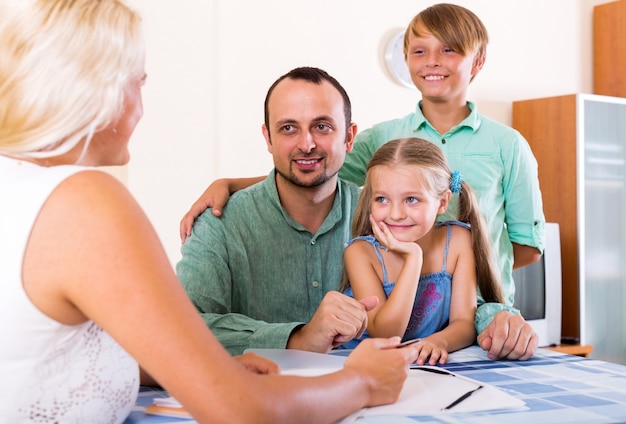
column 88, row 379
column 425, row 304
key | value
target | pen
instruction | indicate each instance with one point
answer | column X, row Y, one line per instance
column 409, row 342
column 446, row 372
column 433, row 370
column 462, row 398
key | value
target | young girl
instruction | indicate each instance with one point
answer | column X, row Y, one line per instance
column 424, row 272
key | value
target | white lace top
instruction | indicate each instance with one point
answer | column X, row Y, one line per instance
column 50, row 372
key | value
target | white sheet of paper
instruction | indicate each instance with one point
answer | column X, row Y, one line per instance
column 427, row 394
column 288, row 359
column 424, row 393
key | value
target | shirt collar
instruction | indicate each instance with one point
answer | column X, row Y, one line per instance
column 471, row 121
column 334, row 216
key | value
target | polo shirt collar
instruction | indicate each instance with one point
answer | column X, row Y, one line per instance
column 472, row 121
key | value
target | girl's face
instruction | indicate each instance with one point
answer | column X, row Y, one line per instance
column 438, row 72
column 402, row 200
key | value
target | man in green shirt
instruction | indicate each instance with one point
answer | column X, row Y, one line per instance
column 265, row 273
column 277, row 296
column 445, row 47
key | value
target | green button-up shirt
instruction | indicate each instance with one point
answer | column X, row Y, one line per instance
column 255, row 274
column 496, row 161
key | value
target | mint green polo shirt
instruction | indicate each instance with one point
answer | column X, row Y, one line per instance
column 255, row 274
column 496, row 161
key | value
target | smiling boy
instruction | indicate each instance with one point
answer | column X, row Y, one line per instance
column 445, row 48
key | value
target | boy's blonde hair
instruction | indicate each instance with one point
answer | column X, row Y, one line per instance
column 64, row 65
column 453, row 25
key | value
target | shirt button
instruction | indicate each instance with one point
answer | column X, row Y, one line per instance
column 315, row 284
column 313, row 241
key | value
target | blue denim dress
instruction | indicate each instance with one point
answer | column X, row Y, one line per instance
column 431, row 309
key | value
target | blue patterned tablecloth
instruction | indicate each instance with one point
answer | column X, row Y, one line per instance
column 557, row 388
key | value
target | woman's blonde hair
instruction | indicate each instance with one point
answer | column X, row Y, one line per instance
column 438, row 176
column 63, row 68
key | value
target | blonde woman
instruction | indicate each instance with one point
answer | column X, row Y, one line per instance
column 87, row 290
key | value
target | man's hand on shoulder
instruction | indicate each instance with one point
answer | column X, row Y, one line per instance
column 508, row 336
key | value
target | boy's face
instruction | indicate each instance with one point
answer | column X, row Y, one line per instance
column 438, row 72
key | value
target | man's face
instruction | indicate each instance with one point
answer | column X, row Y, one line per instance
column 307, row 133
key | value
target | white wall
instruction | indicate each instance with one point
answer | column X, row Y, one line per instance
column 210, row 64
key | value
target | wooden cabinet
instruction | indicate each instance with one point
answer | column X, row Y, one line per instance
column 579, row 141
column 549, row 125
column 609, row 52
column 578, row 350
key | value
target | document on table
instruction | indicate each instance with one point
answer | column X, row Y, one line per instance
column 424, row 393
column 167, row 407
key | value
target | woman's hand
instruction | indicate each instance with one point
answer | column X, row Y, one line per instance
column 257, row 364
column 383, row 366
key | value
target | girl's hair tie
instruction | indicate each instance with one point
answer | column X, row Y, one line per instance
column 455, row 182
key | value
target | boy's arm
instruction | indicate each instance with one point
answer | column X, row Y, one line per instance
column 216, row 196
column 524, row 255
column 524, row 206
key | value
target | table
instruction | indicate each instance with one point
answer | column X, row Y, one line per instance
column 556, row 387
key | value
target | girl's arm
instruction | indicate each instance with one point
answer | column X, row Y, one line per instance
column 391, row 316
column 460, row 331
column 93, row 255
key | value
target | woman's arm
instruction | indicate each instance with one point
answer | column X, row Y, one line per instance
column 94, row 255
